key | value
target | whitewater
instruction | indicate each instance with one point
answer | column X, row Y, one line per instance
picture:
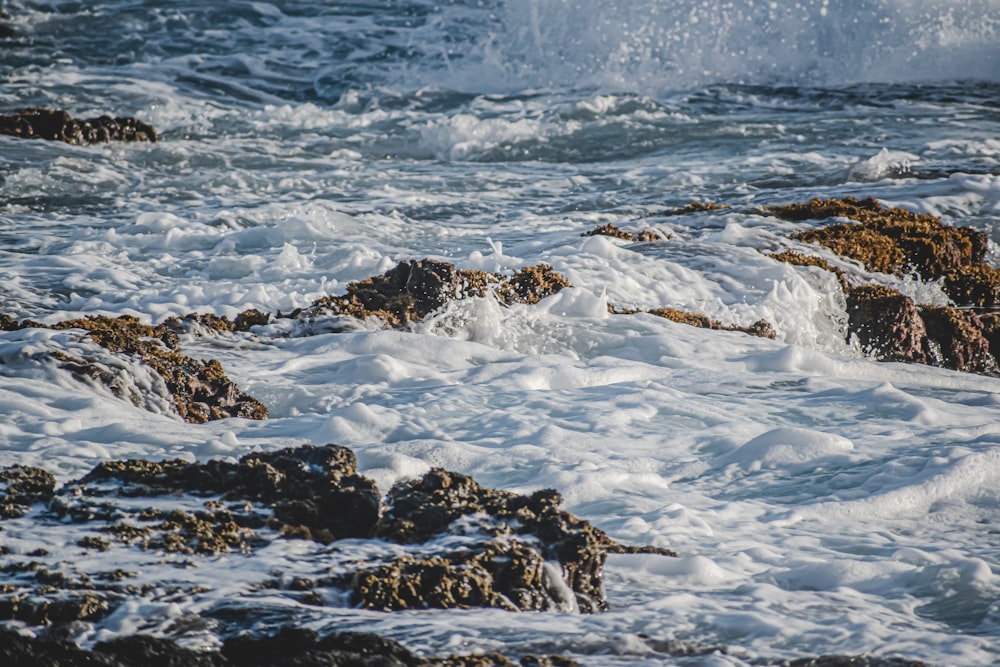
column 820, row 502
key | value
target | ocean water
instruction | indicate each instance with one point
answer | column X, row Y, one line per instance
column 821, row 502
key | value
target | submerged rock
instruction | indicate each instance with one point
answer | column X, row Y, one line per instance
column 200, row 390
column 58, row 125
column 761, row 328
column 412, row 290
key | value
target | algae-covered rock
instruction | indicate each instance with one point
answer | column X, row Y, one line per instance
column 888, row 240
column 645, row 236
column 420, row 509
column 412, row 290
column 57, row 125
column 957, row 340
column 200, row 389
column 760, row 328
column 798, row 259
column 309, row 492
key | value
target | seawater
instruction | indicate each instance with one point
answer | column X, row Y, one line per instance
column 821, row 502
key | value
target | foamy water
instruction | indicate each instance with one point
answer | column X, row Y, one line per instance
column 820, row 502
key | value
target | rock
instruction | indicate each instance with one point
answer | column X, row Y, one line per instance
column 696, row 207
column 798, row 259
column 891, row 327
column 609, row 229
column 761, row 328
column 294, row 647
column 887, row 324
column 22, row 486
column 222, row 324
column 62, row 608
column 201, row 391
column 957, row 340
column 889, row 240
column 423, row 508
column 412, row 290
column 977, row 286
column 311, row 492
column 851, row 661
column 58, row 125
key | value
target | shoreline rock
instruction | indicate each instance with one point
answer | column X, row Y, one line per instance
column 200, row 389
column 887, row 324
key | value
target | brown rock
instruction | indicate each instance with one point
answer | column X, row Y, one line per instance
column 761, row 328
column 23, row 486
column 957, row 340
column 200, row 389
column 609, row 229
column 798, row 259
column 889, row 240
column 412, row 290
column 887, row 324
column 977, row 286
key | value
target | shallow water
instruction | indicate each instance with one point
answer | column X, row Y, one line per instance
column 821, row 502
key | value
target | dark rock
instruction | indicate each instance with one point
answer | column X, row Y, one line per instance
column 63, row 608
column 20, row 651
column 957, row 340
column 23, row 486
column 304, row 648
column 313, row 491
column 852, row 661
column 887, row 324
column 243, row 322
column 412, row 290
column 201, row 390
column 423, row 508
column 58, row 125
column 146, row 651
column 609, row 229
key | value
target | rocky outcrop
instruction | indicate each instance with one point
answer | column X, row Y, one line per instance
column 305, row 492
column 412, row 290
column 457, row 544
column 200, row 389
column 887, row 324
column 58, row 125
column 507, row 569
column 23, row 486
column 644, row 236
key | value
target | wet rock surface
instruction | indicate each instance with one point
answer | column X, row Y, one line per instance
column 412, row 290
column 643, row 236
column 446, row 542
column 200, row 389
column 57, row 125
column 423, row 508
column 886, row 323
column 760, row 328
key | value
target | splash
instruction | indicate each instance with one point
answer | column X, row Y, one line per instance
column 642, row 45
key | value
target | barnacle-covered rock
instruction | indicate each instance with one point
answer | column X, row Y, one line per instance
column 887, row 324
column 611, row 230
